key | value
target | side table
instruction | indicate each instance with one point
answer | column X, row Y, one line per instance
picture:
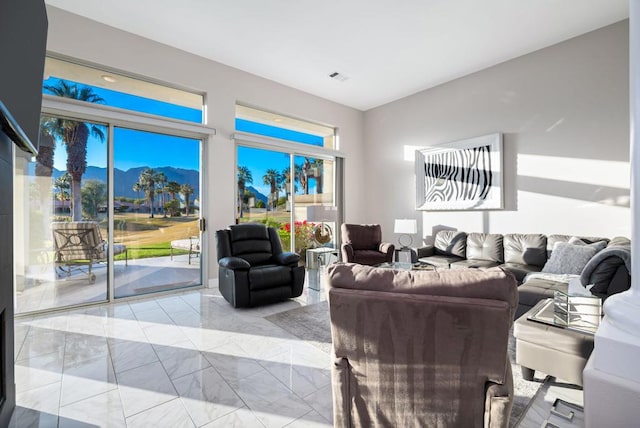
column 319, row 258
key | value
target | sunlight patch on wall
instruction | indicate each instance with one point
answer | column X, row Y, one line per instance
column 576, row 170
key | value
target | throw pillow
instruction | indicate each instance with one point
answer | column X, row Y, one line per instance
column 568, row 259
column 598, row 246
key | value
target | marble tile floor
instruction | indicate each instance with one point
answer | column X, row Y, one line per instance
column 185, row 360
column 42, row 289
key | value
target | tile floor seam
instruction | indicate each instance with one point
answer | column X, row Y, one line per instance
column 158, row 405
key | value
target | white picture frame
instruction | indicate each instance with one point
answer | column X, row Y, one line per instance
column 461, row 175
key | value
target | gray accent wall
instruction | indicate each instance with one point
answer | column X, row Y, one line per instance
column 564, row 114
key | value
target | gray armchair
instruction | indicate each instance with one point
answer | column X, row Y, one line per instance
column 253, row 269
column 420, row 348
column 362, row 243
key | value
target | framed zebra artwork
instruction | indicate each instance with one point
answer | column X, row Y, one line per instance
column 463, row 175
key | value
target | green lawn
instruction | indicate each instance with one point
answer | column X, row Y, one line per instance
column 150, row 250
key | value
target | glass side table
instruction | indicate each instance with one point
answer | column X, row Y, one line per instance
column 317, row 259
column 580, row 313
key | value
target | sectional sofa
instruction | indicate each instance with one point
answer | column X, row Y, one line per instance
column 601, row 265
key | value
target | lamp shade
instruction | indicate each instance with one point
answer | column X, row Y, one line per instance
column 325, row 213
column 406, row 226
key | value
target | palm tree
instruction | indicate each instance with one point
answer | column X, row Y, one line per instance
column 161, row 182
column 74, row 135
column 273, row 179
column 317, row 169
column 46, row 147
column 303, row 175
column 187, row 191
column 147, row 180
column 62, row 185
column 173, row 188
column 244, row 177
column 137, row 188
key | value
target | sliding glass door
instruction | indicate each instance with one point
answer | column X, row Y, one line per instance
column 293, row 193
column 156, row 204
column 61, row 217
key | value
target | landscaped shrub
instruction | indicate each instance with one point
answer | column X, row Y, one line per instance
column 303, row 235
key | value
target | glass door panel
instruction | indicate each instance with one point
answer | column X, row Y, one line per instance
column 156, row 212
column 263, row 190
column 61, row 217
column 314, row 202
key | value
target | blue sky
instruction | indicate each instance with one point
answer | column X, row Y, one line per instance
column 138, row 148
column 259, row 161
column 134, row 148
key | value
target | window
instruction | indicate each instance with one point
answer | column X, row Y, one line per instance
column 279, row 126
column 284, row 183
column 64, row 78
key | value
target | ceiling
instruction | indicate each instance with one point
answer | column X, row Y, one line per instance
column 387, row 49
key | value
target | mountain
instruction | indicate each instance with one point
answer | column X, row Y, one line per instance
column 124, row 180
column 258, row 195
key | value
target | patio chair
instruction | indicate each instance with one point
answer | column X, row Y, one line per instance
column 78, row 245
column 192, row 245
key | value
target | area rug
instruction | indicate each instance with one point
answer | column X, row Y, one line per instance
column 311, row 323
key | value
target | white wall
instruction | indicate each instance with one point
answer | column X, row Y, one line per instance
column 564, row 113
column 86, row 40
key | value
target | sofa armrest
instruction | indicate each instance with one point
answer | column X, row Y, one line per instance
column 287, row 259
column 498, row 401
column 340, row 377
column 385, row 247
column 234, row 263
column 427, row 251
column 347, row 253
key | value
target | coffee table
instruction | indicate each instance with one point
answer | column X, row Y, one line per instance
column 405, row 266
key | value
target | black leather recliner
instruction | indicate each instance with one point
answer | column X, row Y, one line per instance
column 253, row 269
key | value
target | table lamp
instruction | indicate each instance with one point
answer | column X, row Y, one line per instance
column 405, row 227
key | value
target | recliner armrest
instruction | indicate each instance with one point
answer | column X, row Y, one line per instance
column 427, row 251
column 287, row 258
column 234, row 263
column 347, row 253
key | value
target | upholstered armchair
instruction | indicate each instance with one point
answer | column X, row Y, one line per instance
column 362, row 243
column 421, row 348
column 253, row 269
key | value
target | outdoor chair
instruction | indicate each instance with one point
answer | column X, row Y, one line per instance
column 78, row 245
column 192, row 245
column 253, row 269
column 362, row 243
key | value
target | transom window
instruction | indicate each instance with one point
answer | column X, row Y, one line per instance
column 117, row 90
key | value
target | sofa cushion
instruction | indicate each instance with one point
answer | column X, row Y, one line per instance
column 450, row 243
column 520, row 270
column 568, row 258
column 485, row 246
column 536, row 289
column 440, row 262
column 369, row 257
column 525, row 249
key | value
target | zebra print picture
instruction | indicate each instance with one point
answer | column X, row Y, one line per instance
column 460, row 176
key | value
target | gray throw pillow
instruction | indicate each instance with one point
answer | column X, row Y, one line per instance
column 568, row 259
column 598, row 246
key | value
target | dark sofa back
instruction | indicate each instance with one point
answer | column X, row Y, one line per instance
column 525, row 249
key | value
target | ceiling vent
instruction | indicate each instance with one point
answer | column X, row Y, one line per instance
column 338, row 76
